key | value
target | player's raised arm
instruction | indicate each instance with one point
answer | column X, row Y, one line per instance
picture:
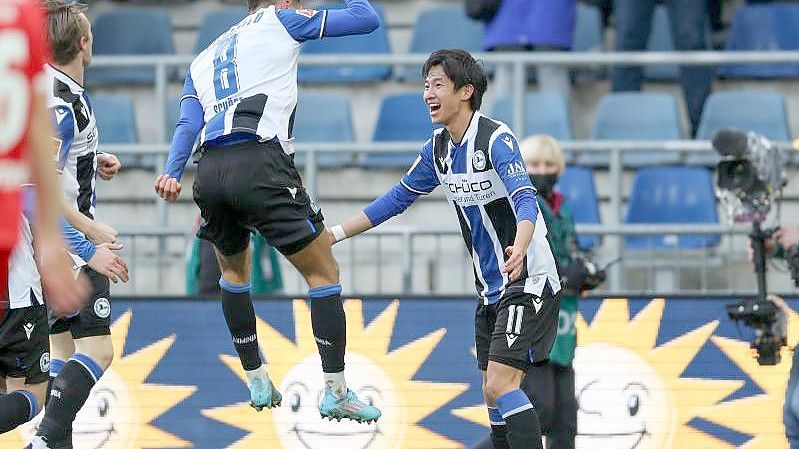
column 421, row 179
column 191, row 121
column 508, row 162
column 358, row 17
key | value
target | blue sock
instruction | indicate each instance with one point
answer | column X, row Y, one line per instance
column 499, row 429
column 56, row 365
column 17, row 408
column 523, row 428
column 329, row 326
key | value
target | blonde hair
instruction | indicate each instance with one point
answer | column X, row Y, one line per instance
column 545, row 147
column 64, row 29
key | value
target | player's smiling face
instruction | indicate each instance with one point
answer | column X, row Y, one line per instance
column 443, row 101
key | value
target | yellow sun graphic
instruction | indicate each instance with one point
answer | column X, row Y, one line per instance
column 759, row 415
column 376, row 375
column 630, row 392
column 119, row 412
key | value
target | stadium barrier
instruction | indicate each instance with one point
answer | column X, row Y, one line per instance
column 651, row 373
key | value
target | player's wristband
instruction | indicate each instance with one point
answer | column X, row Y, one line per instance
column 338, row 233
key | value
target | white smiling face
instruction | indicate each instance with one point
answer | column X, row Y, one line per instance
column 622, row 402
column 300, row 426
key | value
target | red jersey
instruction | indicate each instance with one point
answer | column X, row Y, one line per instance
column 23, row 51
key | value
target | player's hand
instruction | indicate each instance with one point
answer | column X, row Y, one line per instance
column 515, row 263
column 167, row 188
column 106, row 262
column 100, row 233
column 108, row 165
column 787, row 236
column 64, row 293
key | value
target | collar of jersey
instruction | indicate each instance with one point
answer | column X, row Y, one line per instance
column 471, row 130
column 66, row 79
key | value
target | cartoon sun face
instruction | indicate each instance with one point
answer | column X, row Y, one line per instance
column 121, row 407
column 622, row 404
column 303, row 392
column 374, row 373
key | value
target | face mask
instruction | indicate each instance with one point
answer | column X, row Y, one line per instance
column 544, row 183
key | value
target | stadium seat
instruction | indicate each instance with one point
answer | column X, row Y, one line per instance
column 215, row 23
column 116, row 120
column 375, row 42
column 763, row 27
column 128, row 31
column 760, row 111
column 587, row 29
column 672, row 195
column 447, row 27
column 634, row 116
column 660, row 39
column 324, row 118
column 544, row 113
column 402, row 117
column 577, row 185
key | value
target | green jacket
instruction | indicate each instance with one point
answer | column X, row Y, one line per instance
column 266, row 278
column 562, row 239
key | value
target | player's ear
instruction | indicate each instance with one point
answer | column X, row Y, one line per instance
column 466, row 92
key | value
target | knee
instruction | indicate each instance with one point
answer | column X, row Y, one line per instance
column 236, row 275
column 101, row 351
column 496, row 386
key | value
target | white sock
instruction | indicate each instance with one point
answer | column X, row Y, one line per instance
column 336, row 383
column 257, row 373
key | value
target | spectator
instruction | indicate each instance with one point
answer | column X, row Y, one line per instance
column 522, row 25
column 688, row 20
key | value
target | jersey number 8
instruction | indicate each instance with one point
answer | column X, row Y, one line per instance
column 226, row 80
column 14, row 90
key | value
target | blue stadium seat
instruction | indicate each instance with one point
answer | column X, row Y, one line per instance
column 660, row 39
column 763, row 27
column 447, row 27
column 128, row 31
column 171, row 117
column 116, row 119
column 375, row 42
column 215, row 23
column 402, row 117
column 545, row 113
column 577, row 185
column 672, row 195
column 324, row 118
column 634, row 116
column 760, row 111
column 587, row 29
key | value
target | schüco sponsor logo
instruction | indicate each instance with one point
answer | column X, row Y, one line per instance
column 470, row 187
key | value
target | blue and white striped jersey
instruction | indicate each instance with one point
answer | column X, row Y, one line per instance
column 480, row 176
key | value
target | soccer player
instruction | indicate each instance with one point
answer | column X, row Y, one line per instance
column 81, row 345
column 477, row 161
column 24, row 345
column 25, row 134
column 240, row 95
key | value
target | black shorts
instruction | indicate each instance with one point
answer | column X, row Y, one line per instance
column 254, row 186
column 513, row 333
column 94, row 319
column 25, row 345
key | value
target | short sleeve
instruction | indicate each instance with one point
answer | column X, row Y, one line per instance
column 303, row 24
column 508, row 163
column 421, row 178
column 64, row 123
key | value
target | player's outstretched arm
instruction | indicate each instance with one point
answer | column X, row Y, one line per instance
column 357, row 17
column 393, row 202
column 96, row 231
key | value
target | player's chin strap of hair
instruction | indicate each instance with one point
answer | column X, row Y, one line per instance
column 338, row 233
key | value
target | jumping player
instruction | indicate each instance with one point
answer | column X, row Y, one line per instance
column 477, row 161
column 81, row 345
column 25, row 139
column 240, row 95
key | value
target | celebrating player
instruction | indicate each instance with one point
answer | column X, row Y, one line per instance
column 477, row 161
column 25, row 136
column 240, row 95
column 81, row 344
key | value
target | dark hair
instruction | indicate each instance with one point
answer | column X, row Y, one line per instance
column 64, row 29
column 462, row 69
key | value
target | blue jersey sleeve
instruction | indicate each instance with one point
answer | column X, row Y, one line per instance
column 78, row 243
column 508, row 162
column 393, row 202
column 189, row 125
column 358, row 17
column 421, row 178
column 64, row 123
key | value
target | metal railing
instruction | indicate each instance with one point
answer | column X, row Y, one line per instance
column 518, row 63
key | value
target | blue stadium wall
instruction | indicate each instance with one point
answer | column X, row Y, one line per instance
column 651, row 374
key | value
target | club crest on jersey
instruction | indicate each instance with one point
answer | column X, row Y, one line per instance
column 307, row 12
column 516, row 168
column 479, row 160
column 44, row 362
column 102, row 308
